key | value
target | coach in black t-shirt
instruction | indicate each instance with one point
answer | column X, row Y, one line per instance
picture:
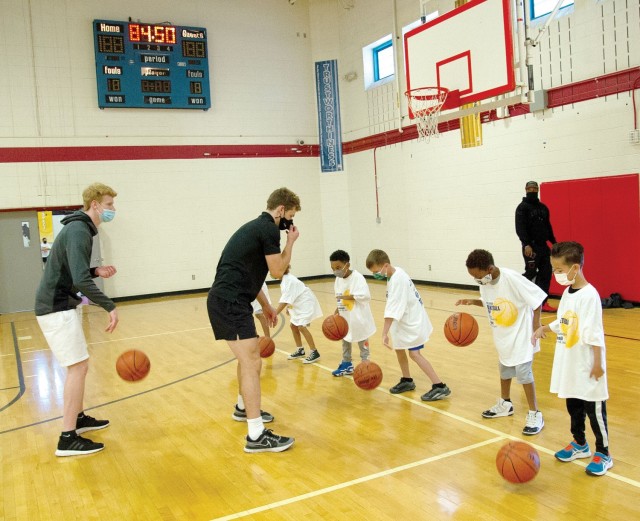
column 251, row 253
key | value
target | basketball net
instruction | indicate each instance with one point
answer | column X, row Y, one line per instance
column 425, row 104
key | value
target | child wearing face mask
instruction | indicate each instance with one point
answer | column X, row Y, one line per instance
column 352, row 294
column 579, row 365
column 408, row 323
column 513, row 305
column 302, row 307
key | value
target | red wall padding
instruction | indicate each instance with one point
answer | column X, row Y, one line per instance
column 603, row 214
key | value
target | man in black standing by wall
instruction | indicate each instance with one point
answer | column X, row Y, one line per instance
column 534, row 230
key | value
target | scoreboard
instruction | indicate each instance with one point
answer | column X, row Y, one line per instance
column 151, row 66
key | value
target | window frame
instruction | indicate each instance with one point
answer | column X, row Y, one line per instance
column 536, row 17
column 375, row 53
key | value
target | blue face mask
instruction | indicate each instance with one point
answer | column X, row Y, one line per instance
column 107, row 215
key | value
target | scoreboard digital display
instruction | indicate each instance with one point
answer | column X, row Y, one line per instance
column 151, row 66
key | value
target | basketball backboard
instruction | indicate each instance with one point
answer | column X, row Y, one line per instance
column 468, row 51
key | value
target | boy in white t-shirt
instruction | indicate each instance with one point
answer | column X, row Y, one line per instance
column 257, row 311
column 352, row 294
column 407, row 321
column 302, row 307
column 513, row 305
column 579, row 372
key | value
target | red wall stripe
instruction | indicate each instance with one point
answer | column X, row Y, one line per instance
column 132, row 153
column 606, row 85
column 621, row 81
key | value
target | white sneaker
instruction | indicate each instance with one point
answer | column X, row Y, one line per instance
column 502, row 408
column 534, row 423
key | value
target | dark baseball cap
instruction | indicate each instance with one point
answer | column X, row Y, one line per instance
column 531, row 184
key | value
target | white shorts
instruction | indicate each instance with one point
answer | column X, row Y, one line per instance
column 523, row 373
column 63, row 331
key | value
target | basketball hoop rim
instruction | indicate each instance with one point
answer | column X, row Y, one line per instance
column 436, row 93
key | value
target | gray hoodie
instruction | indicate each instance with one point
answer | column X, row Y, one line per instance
column 67, row 269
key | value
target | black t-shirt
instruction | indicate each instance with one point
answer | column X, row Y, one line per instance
column 242, row 267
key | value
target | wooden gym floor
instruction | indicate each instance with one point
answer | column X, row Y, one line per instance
column 174, row 453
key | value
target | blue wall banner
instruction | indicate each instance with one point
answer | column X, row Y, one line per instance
column 330, row 130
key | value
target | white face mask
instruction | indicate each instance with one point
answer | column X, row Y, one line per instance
column 484, row 280
column 563, row 278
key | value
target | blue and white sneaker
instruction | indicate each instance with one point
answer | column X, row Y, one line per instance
column 343, row 368
column 573, row 451
column 599, row 465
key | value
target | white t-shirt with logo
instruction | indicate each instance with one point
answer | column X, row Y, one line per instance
column 356, row 312
column 579, row 326
column 303, row 304
column 509, row 302
column 257, row 308
column 411, row 326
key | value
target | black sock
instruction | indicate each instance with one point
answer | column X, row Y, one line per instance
column 403, row 379
column 441, row 385
column 507, row 400
column 68, row 434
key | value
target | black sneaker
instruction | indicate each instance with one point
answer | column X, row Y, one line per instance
column 86, row 423
column 313, row 357
column 240, row 415
column 402, row 387
column 76, row 446
column 436, row 393
column 298, row 353
column 268, row 442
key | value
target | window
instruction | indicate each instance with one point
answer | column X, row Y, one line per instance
column 378, row 62
column 383, row 61
column 544, row 7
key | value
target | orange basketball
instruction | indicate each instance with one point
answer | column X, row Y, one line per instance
column 133, row 365
column 335, row 327
column 267, row 346
column 461, row 329
column 518, row 462
column 367, row 375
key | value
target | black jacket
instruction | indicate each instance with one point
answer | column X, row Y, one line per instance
column 533, row 224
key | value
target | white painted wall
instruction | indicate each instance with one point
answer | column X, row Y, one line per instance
column 437, row 201
column 174, row 217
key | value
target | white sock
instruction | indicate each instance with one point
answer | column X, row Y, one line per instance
column 240, row 402
column 255, row 427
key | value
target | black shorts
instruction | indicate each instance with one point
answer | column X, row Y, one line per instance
column 231, row 320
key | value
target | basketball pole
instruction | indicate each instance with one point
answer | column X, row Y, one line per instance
column 471, row 125
column 524, row 54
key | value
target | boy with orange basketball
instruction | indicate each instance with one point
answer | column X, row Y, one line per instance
column 302, row 307
column 579, row 372
column 352, row 294
column 513, row 306
column 407, row 321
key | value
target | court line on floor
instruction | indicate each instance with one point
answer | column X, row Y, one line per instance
column 21, row 385
column 357, row 481
column 478, row 425
column 222, row 364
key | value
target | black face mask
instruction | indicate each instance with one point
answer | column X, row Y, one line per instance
column 285, row 223
column 532, row 196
